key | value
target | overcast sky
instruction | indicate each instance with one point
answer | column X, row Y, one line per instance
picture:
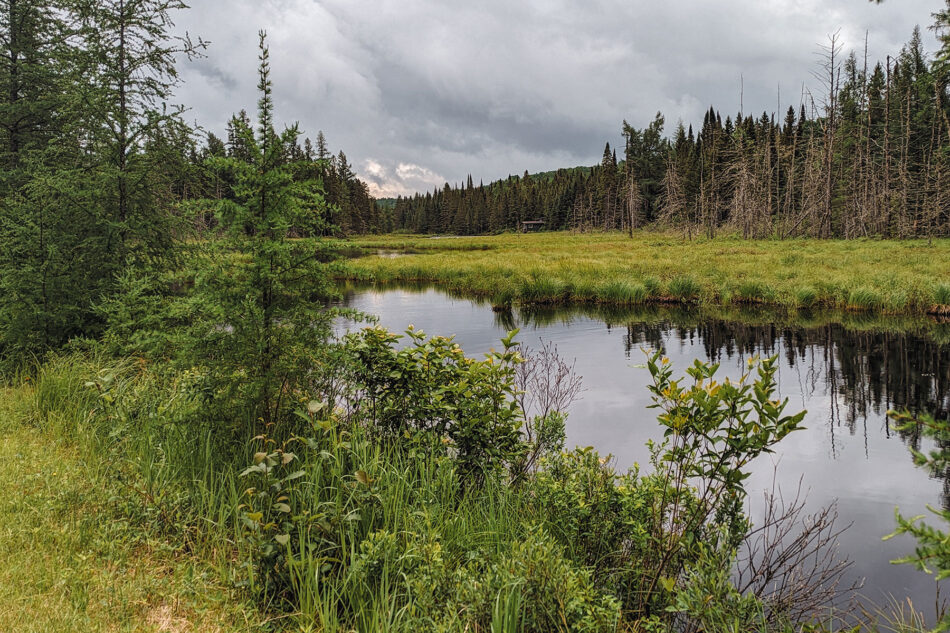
column 423, row 92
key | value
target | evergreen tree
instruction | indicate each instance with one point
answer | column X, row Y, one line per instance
column 129, row 71
column 259, row 294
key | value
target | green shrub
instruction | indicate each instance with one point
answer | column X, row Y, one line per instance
column 271, row 515
column 553, row 594
column 431, row 387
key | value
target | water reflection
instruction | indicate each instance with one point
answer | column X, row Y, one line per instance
column 862, row 372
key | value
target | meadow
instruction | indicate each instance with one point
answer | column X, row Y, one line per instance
column 882, row 276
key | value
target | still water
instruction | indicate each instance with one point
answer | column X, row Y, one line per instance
column 846, row 379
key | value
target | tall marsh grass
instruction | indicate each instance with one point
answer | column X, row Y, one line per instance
column 898, row 277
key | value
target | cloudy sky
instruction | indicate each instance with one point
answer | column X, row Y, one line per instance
column 423, row 92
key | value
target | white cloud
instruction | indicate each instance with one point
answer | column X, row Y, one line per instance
column 402, row 180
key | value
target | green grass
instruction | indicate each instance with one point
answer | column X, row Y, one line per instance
column 71, row 557
column 622, row 292
column 942, row 295
column 889, row 276
column 684, row 289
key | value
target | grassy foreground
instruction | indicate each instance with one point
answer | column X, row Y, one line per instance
column 898, row 277
column 71, row 557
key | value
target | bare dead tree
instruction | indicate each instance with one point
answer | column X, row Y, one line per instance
column 791, row 563
column 750, row 208
column 633, row 200
column 830, row 78
column 674, row 209
column 812, row 198
column 547, row 386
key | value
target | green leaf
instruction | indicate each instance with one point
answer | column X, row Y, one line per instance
column 295, row 475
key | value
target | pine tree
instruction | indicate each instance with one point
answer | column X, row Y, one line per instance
column 50, row 236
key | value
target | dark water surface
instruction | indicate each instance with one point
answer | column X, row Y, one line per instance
column 846, row 378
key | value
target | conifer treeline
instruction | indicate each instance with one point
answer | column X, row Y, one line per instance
column 869, row 156
column 100, row 177
column 350, row 207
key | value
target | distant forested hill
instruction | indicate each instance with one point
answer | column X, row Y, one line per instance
column 867, row 156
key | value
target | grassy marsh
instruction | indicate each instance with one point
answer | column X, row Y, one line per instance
column 893, row 277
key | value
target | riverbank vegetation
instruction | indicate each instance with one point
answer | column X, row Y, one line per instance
column 79, row 550
column 878, row 276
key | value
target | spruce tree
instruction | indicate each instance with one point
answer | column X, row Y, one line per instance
column 259, row 294
column 129, row 74
column 49, row 235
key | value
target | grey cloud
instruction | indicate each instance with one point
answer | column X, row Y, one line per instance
column 215, row 75
column 494, row 87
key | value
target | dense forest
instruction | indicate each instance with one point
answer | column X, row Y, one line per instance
column 866, row 154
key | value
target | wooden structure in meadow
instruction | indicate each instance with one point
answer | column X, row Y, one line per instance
column 529, row 226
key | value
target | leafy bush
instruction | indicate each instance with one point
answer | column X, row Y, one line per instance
column 552, row 593
column 933, row 544
column 271, row 513
column 602, row 518
column 431, row 387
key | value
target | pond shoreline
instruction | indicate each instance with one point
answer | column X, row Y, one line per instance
column 932, row 327
column 884, row 277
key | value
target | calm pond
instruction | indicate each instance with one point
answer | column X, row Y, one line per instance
column 846, row 378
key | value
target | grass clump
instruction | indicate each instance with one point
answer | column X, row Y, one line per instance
column 684, row 289
column 623, row 293
column 584, row 289
column 504, row 297
column 864, row 299
column 653, row 286
column 754, row 292
column 942, row 295
column 806, row 297
column 538, row 289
